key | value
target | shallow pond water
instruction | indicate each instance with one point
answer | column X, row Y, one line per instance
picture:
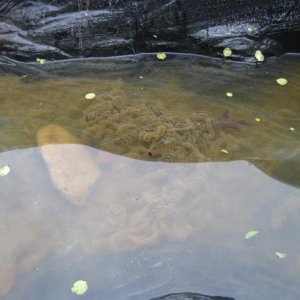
column 150, row 187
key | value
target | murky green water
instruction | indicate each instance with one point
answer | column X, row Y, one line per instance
column 151, row 186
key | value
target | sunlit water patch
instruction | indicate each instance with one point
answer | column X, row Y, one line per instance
column 144, row 180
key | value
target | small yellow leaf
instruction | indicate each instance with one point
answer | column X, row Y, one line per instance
column 4, row 170
column 229, row 94
column 281, row 81
column 257, row 119
column 292, row 129
column 79, row 287
column 90, row 96
column 224, row 151
column 161, row 56
column 141, row 77
column 259, row 56
column 280, row 255
column 227, row 52
column 41, row 60
column 251, row 234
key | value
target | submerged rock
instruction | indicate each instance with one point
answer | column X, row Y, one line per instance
column 7, row 274
column 72, row 170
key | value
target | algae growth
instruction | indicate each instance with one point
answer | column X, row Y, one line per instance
column 150, row 131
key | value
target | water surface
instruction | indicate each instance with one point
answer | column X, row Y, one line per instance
column 184, row 173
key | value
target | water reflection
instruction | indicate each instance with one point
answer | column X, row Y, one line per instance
column 145, row 229
column 136, row 229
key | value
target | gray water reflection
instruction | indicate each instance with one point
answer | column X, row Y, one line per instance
column 146, row 229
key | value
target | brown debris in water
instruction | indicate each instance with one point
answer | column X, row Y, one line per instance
column 225, row 122
column 150, row 131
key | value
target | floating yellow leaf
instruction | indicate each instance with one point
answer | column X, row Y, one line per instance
column 4, row 170
column 229, row 94
column 281, row 81
column 257, row 119
column 259, row 56
column 90, row 96
column 292, row 129
column 41, row 60
column 79, row 287
column 23, row 77
column 224, row 151
column 141, row 77
column 251, row 234
column 161, row 56
column 227, row 52
column 280, row 255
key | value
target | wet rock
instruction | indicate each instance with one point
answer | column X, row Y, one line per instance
column 72, row 171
